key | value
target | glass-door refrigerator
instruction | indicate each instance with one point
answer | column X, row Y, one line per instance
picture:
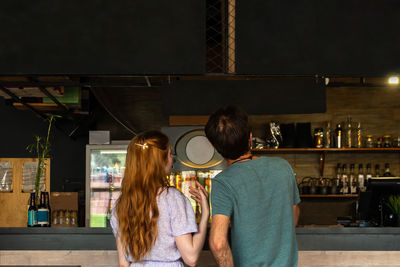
column 105, row 165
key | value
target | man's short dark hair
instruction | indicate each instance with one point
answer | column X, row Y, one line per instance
column 228, row 131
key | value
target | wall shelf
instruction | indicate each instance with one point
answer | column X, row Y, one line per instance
column 323, row 151
column 299, row 150
column 330, row 196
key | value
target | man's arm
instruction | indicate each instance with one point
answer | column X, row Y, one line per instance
column 219, row 240
column 296, row 214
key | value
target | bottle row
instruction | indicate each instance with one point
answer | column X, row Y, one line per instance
column 65, row 218
column 348, row 180
column 182, row 180
column 39, row 215
column 347, row 134
column 352, row 181
column 350, row 135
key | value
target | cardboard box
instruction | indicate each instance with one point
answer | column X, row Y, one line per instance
column 63, row 201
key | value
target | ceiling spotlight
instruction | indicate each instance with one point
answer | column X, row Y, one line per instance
column 393, row 80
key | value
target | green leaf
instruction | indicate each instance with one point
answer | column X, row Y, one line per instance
column 393, row 203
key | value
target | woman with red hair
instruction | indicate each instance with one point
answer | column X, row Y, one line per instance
column 152, row 222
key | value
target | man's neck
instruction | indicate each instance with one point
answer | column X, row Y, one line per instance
column 244, row 157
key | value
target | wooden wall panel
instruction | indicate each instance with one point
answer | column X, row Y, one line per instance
column 378, row 110
column 15, row 204
column 324, row 211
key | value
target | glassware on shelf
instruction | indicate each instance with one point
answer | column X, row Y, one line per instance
column 396, row 142
column 369, row 141
column 318, row 137
column 387, row 140
column 379, row 142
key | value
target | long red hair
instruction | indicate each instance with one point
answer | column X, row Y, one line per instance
column 136, row 207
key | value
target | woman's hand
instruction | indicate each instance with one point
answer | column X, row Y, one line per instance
column 190, row 246
column 201, row 196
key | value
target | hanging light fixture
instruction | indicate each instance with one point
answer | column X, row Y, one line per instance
column 393, row 80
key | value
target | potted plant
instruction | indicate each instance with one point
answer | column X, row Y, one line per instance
column 41, row 148
column 393, row 204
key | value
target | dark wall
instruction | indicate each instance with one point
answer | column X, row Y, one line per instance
column 344, row 38
column 268, row 96
column 102, row 37
column 18, row 129
column 140, row 109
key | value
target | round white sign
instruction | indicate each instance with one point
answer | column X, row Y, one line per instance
column 199, row 150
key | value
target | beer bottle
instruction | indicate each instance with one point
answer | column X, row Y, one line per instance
column 361, row 179
column 47, row 205
column 32, row 212
column 345, row 181
column 368, row 176
column 43, row 212
column 387, row 172
column 377, row 171
column 352, row 180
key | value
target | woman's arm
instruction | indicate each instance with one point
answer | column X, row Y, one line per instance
column 190, row 246
column 121, row 255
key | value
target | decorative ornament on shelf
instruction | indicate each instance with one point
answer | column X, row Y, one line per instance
column 41, row 148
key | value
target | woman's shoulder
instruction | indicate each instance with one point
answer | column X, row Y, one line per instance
column 171, row 193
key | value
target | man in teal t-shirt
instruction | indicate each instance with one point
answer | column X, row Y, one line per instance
column 257, row 196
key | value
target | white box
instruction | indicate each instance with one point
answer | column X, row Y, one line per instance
column 99, row 137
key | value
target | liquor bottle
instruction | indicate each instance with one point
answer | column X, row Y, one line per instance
column 338, row 176
column 368, row 176
column 339, row 134
column 348, row 135
column 328, row 136
column 358, row 136
column 377, row 171
column 352, row 180
column 43, row 212
column 171, row 178
column 32, row 212
column 47, row 205
column 361, row 179
column 387, row 172
column 345, row 188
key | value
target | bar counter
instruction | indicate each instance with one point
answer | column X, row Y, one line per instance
column 350, row 246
